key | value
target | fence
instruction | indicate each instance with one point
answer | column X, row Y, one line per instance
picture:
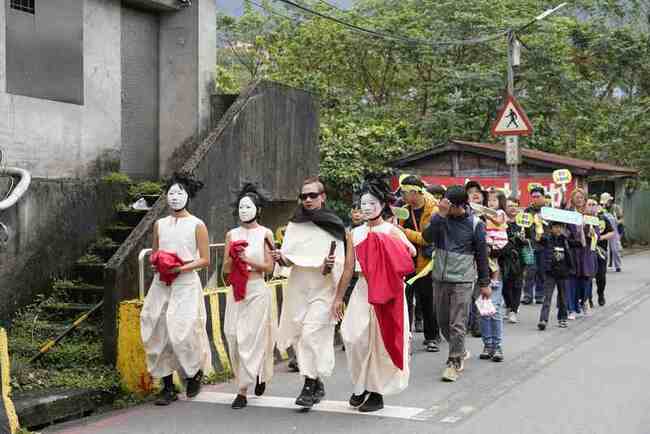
column 636, row 209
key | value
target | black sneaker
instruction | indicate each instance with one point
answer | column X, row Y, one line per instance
column 526, row 301
column 563, row 324
column 293, row 365
column 357, row 400
column 541, row 325
column 497, row 356
column 306, row 397
column 374, row 402
column 194, row 385
column 487, row 353
column 601, row 300
column 433, row 347
column 166, row 397
column 260, row 388
column 319, row 391
column 239, row 402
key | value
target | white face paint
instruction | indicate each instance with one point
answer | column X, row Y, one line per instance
column 177, row 197
column 371, row 207
column 247, row 210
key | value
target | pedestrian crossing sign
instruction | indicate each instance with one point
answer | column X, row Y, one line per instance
column 512, row 120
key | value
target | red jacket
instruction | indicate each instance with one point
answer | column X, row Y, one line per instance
column 384, row 262
column 164, row 263
column 238, row 270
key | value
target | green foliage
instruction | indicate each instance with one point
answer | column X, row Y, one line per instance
column 90, row 259
column 117, row 178
column 584, row 82
column 146, row 188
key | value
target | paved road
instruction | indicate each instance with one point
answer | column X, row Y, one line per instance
column 593, row 377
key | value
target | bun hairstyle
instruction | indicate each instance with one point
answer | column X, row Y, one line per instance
column 375, row 185
column 259, row 197
column 187, row 181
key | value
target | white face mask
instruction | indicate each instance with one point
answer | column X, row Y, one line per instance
column 247, row 210
column 177, row 197
column 371, row 207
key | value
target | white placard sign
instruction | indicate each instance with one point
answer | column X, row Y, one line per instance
column 562, row 215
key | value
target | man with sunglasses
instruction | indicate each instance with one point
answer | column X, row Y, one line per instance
column 313, row 246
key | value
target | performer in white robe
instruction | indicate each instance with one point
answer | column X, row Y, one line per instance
column 173, row 317
column 374, row 373
column 249, row 326
column 305, row 322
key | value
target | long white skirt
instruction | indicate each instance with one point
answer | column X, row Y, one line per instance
column 250, row 332
column 370, row 365
column 173, row 327
column 306, row 322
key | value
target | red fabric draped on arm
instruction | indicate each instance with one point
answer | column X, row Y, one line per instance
column 384, row 262
column 239, row 270
column 164, row 263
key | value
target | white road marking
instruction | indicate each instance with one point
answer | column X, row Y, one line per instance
column 388, row 411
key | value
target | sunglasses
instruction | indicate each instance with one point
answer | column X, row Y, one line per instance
column 304, row 196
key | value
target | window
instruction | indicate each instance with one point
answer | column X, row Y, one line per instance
column 23, row 5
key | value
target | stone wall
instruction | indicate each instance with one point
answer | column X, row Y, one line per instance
column 50, row 228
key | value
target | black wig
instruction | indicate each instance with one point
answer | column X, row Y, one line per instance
column 187, row 182
column 259, row 197
column 375, row 185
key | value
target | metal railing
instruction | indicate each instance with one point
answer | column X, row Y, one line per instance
column 209, row 275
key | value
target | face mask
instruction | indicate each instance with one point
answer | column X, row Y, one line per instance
column 371, row 207
column 247, row 210
column 177, row 197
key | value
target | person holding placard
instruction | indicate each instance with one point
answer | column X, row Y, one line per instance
column 608, row 234
column 534, row 286
column 511, row 262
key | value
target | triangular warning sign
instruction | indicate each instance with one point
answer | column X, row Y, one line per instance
column 512, row 120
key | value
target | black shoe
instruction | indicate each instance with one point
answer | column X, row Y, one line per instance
column 357, row 400
column 433, row 347
column 239, row 402
column 498, row 355
column 526, row 301
column 419, row 326
column 563, row 324
column 194, row 385
column 476, row 333
column 319, row 391
column 293, row 365
column 618, row 270
column 374, row 402
column 168, row 394
column 487, row 353
column 601, row 300
column 260, row 388
column 306, row 397
column 541, row 325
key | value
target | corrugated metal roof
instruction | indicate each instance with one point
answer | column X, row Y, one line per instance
column 531, row 155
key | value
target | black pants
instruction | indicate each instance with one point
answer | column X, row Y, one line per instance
column 422, row 291
column 601, row 276
column 550, row 283
column 512, row 287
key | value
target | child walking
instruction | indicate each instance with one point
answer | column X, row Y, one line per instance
column 496, row 239
column 558, row 265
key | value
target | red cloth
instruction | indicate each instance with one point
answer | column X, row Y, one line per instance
column 164, row 263
column 238, row 270
column 384, row 262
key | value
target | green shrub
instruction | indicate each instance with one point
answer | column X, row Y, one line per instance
column 144, row 189
column 117, row 178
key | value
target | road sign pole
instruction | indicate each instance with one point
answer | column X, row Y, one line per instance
column 512, row 141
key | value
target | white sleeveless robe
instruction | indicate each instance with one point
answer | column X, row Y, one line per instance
column 173, row 318
column 249, row 326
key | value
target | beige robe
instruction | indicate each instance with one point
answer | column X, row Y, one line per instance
column 306, row 322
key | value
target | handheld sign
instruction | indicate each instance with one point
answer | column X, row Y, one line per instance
column 591, row 220
column 400, row 213
column 483, row 210
column 524, row 219
column 562, row 216
column 562, row 176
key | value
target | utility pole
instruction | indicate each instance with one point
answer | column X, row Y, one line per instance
column 512, row 142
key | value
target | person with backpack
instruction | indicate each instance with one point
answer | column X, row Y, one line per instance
column 460, row 256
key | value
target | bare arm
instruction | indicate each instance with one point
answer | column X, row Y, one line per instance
column 344, row 282
column 227, row 262
column 154, row 244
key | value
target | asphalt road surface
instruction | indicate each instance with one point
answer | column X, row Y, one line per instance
column 593, row 377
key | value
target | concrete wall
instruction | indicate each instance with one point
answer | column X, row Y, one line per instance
column 50, row 228
column 139, row 156
column 269, row 136
column 187, row 60
column 54, row 139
